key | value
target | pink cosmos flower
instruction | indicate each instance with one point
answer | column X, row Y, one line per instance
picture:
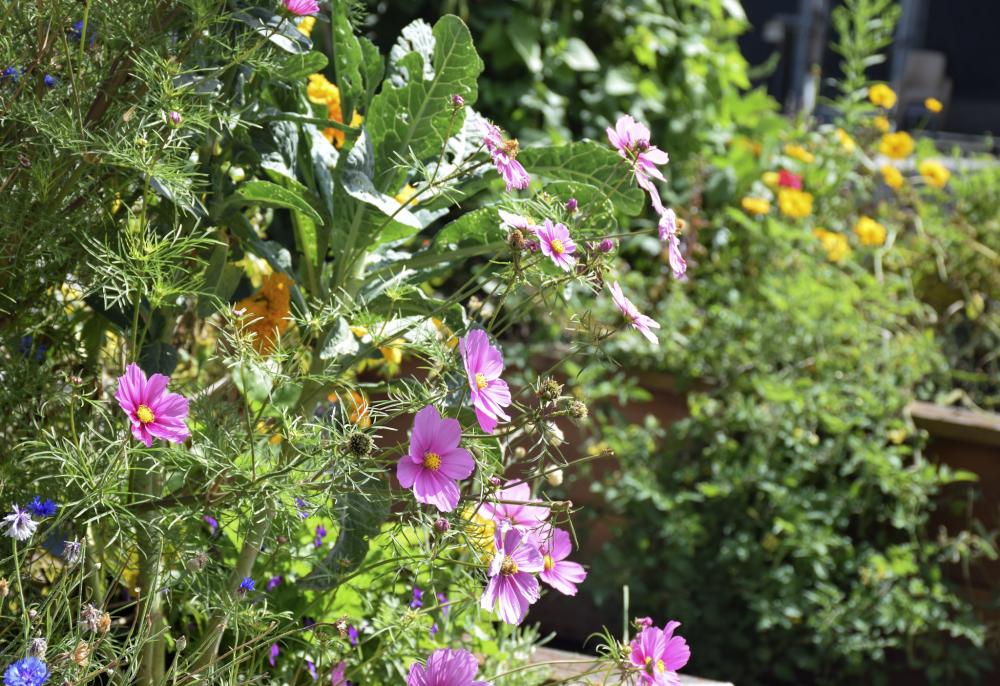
column 514, row 509
column 639, row 322
column 558, row 572
column 301, row 8
column 509, row 221
column 483, row 365
column 446, row 667
column 337, row 677
column 668, row 233
column 659, row 654
column 511, row 582
column 435, row 460
column 556, row 244
column 154, row 412
column 631, row 139
column 504, row 155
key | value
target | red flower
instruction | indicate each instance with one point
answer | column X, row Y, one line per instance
column 789, row 180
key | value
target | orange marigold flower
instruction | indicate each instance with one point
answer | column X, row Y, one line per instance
column 266, row 311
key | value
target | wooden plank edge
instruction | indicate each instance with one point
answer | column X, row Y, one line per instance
column 571, row 664
column 956, row 422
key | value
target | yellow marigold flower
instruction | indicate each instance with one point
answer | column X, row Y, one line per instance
column 480, row 531
column 321, row 91
column 770, row 178
column 882, row 96
column 846, row 142
column 756, row 206
column 404, row 195
column 892, row 177
column 869, row 231
column 393, row 352
column 275, row 439
column 799, row 153
column 835, row 244
column 356, row 404
column 881, row 123
column 795, row 203
column 306, row 25
column 896, row 145
column 933, row 104
column 266, row 311
column 934, row 173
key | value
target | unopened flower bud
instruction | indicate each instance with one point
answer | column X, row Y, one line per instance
column 457, row 101
column 550, row 390
column 361, row 444
column 495, row 481
column 516, row 240
column 571, row 205
column 553, row 435
column 578, row 410
column 606, row 245
column 71, row 552
column 4, row 588
column 520, row 453
column 32, row 614
column 642, row 623
column 554, row 478
column 37, row 648
column 442, row 525
column 181, row 644
column 237, row 174
column 175, row 118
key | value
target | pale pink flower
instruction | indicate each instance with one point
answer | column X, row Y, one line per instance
column 514, row 508
column 484, row 365
column 504, row 154
column 640, row 322
column 153, row 411
column 509, row 221
column 301, row 8
column 631, row 139
column 512, row 588
column 435, row 461
column 668, row 232
column 556, row 244
column 659, row 654
column 446, row 667
column 558, row 572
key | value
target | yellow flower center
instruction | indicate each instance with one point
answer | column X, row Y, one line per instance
column 432, row 461
column 145, row 414
column 508, row 566
column 658, row 666
column 549, row 563
column 511, row 147
column 557, row 247
column 481, row 381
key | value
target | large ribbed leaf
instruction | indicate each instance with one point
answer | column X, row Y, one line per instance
column 587, row 163
column 413, row 118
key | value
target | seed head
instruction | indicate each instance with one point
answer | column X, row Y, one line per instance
column 578, row 410
column 550, row 390
column 361, row 444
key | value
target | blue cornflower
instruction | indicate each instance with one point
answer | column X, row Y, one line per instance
column 320, row 535
column 418, row 598
column 303, row 508
column 50, row 81
column 20, row 525
column 75, row 33
column 42, row 508
column 273, row 583
column 246, row 585
column 27, row 672
column 352, row 635
column 11, row 74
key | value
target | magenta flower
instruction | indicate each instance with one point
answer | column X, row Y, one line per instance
column 632, row 142
column 154, row 412
column 504, row 155
column 483, row 365
column 659, row 654
column 558, row 572
column 446, row 667
column 301, row 8
column 435, row 460
column 514, row 509
column 556, row 244
column 272, row 658
column 640, row 322
column 668, row 233
column 337, row 676
column 511, row 582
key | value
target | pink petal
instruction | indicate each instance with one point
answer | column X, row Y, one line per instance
column 564, row 576
column 457, row 464
column 559, row 546
column 406, row 471
column 435, row 489
column 486, row 422
column 676, row 654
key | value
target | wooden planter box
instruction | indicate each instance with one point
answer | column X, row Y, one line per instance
column 566, row 668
